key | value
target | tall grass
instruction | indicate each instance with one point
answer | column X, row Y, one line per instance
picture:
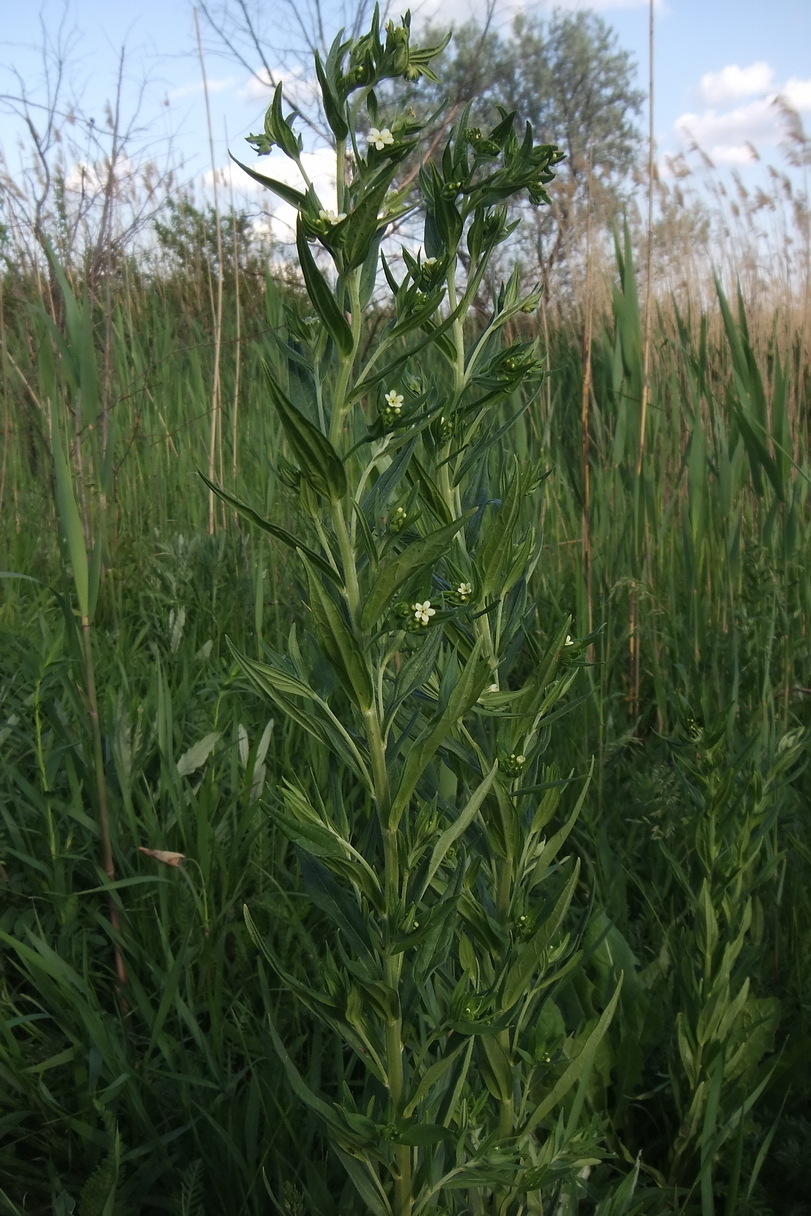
column 693, row 841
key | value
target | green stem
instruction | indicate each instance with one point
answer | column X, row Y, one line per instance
column 339, row 405
column 348, row 560
column 392, row 963
column 506, row 1117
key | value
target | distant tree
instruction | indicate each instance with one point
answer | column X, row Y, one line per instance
column 572, row 80
column 567, row 75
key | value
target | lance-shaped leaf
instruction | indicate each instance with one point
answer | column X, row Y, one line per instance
column 277, row 681
column 366, row 1182
column 288, row 193
column 331, row 1117
column 287, row 538
column 459, row 825
column 520, row 975
column 472, row 680
column 332, row 105
column 495, row 551
column 555, row 843
column 415, row 671
column 393, row 573
column 323, row 300
column 362, row 225
column 305, row 827
column 70, row 525
column 320, row 463
column 337, row 902
column 578, row 1067
column 431, row 1077
column 339, row 642
column 496, row 1068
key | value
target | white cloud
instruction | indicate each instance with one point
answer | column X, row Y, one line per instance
column 733, row 155
column 726, row 134
column 733, row 83
column 758, row 121
column 196, row 86
column 798, row 94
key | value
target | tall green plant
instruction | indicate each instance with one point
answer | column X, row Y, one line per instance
column 421, row 813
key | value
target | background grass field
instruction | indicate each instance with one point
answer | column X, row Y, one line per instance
column 688, row 554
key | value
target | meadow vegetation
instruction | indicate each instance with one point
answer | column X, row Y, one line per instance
column 161, row 768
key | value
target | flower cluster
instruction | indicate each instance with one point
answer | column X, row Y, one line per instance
column 399, row 520
column 460, row 594
column 329, row 217
column 391, row 411
column 512, row 765
column 415, row 616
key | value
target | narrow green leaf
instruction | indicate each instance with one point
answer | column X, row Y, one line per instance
column 339, row 643
column 519, row 977
column 320, row 463
column 294, row 197
column 70, row 525
column 459, row 825
column 197, row 755
column 423, row 1134
column 287, row 538
column 498, row 1074
column 323, row 300
column 578, row 1066
column 366, row 1182
column 394, row 572
column 332, row 106
column 471, row 682
column 430, row 1078
column 555, row 842
column 338, row 904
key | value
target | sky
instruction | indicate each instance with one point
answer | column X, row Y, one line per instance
column 719, row 64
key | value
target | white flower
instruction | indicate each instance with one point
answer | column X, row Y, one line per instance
column 380, row 139
column 493, row 688
column 568, row 641
column 331, row 217
column 394, row 400
column 423, row 612
column 429, row 262
column 464, row 590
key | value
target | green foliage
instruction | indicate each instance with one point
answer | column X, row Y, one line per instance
column 681, row 867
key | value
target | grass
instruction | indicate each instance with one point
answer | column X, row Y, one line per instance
column 165, row 1095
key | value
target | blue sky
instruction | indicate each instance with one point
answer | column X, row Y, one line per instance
column 719, row 64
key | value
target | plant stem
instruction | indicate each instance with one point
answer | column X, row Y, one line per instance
column 348, row 560
column 392, row 963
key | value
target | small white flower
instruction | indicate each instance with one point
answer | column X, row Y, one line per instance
column 380, row 139
column 429, row 262
column 423, row 612
column 400, row 513
column 331, row 217
column 464, row 590
column 493, row 688
column 394, row 400
column 568, row 641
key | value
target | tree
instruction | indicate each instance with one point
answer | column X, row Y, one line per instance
column 570, row 78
